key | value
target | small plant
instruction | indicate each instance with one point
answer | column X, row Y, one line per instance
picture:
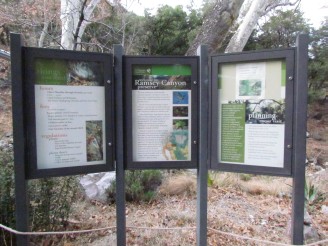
column 140, row 185
column 312, row 195
column 245, row 177
column 210, row 179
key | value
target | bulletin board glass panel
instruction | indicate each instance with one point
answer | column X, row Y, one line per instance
column 70, row 112
column 162, row 104
column 254, row 115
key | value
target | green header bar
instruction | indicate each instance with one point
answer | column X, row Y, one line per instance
column 169, row 70
column 50, row 71
column 283, row 73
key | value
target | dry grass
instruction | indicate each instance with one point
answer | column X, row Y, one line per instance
column 183, row 183
column 251, row 184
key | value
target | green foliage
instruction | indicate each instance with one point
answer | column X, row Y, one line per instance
column 315, row 95
column 50, row 202
column 312, row 195
column 7, row 196
column 245, row 177
column 140, row 185
column 280, row 30
column 50, row 199
column 318, row 64
column 210, row 179
column 169, row 31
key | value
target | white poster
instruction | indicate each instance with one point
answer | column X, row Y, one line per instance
column 252, row 114
column 70, row 123
column 161, row 128
column 250, row 80
column 161, row 113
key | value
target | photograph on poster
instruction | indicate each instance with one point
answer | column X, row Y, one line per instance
column 180, row 111
column 250, row 80
column 180, row 97
column 265, row 111
column 68, row 72
column 94, row 140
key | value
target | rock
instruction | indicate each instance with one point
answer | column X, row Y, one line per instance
column 317, row 116
column 324, row 209
column 307, row 218
column 318, row 168
column 310, row 234
column 96, row 184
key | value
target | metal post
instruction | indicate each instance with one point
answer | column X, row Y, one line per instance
column 299, row 154
column 203, row 148
column 120, row 173
column 21, row 199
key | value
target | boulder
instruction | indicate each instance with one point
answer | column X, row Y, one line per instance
column 96, row 184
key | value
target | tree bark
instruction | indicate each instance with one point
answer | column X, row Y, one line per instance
column 73, row 25
column 69, row 16
column 216, row 25
column 256, row 10
column 245, row 29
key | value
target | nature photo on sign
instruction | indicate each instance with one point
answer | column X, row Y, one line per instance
column 68, row 72
column 250, row 80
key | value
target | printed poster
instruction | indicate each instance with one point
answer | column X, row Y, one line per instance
column 161, row 113
column 70, row 113
column 252, row 114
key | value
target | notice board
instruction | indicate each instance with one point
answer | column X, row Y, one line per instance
column 161, row 112
column 252, row 112
column 69, row 112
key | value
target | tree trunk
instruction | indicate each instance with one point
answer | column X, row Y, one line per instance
column 43, row 34
column 69, row 16
column 256, row 10
column 245, row 29
column 216, row 25
column 75, row 16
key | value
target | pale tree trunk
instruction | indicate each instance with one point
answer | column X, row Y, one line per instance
column 256, row 10
column 43, row 33
column 87, row 18
column 216, row 25
column 69, row 16
column 45, row 25
column 75, row 15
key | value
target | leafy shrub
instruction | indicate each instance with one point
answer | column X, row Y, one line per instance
column 312, row 194
column 316, row 95
column 50, row 202
column 50, row 199
column 7, row 195
column 139, row 185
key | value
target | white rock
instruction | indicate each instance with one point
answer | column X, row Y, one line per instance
column 310, row 234
column 96, row 184
column 324, row 209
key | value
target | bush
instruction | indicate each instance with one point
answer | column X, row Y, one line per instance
column 50, row 199
column 7, row 195
column 50, row 202
column 316, row 95
column 139, row 185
